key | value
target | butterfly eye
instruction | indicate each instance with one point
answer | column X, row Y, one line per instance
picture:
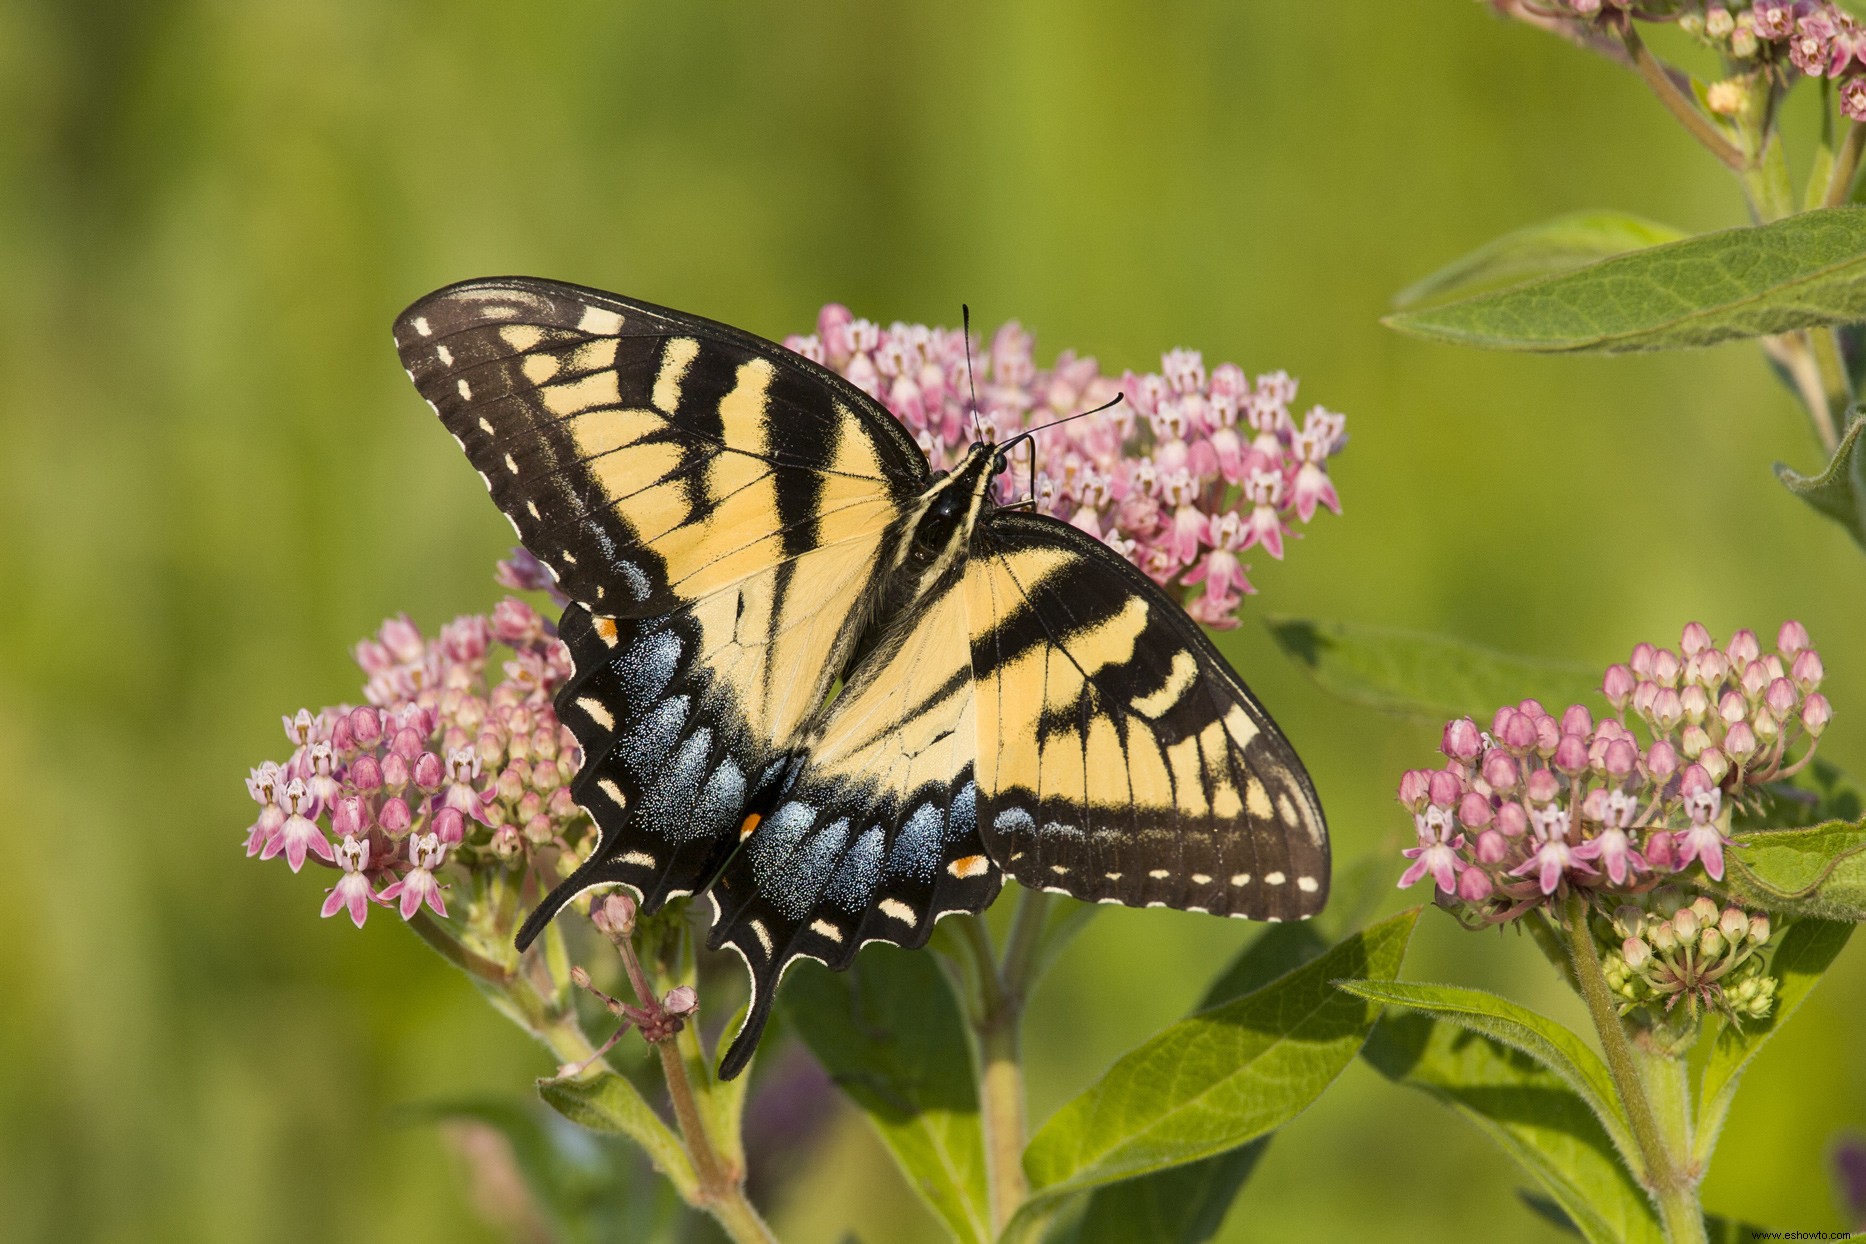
column 999, row 464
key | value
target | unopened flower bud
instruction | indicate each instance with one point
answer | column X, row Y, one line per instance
column 366, row 774
column 1715, row 763
column 1543, row 786
column 1643, row 695
column 1641, row 660
column 1696, row 703
column 614, row 914
column 1461, row 740
column 1733, row 924
column 1807, row 670
column 1413, row 786
column 1474, row 811
column 1666, row 667
column 1685, row 924
column 538, row 830
column 1766, row 726
column 1636, row 953
column 1444, row 789
column 1759, row 929
column 1628, row 920
column 1667, row 710
column 1693, row 741
column 1662, row 761
column 1474, row 885
column 1695, row 639
column 1756, row 677
column 1740, row 742
column 429, row 772
column 681, row 1000
column 506, row 843
column 1519, row 732
column 1791, row 639
column 1617, row 686
column 1815, row 714
column 1663, row 936
column 1620, row 758
column 1512, row 819
column 1710, row 942
column 1743, row 647
column 394, row 771
column 449, row 825
column 1571, row 754
column 1492, row 846
column 1500, row 772
column 1717, row 21
column 394, row 818
column 579, row 977
column 1661, row 851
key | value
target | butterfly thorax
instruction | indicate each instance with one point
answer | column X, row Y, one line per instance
column 938, row 530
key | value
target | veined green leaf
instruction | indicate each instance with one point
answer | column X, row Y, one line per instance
column 1528, row 1111
column 1520, row 1028
column 1805, row 952
column 1223, row 1077
column 890, row 1034
column 1541, row 250
column 1187, row 1204
column 1418, row 675
column 1817, row 871
column 1839, row 491
column 1799, row 272
column 605, row 1102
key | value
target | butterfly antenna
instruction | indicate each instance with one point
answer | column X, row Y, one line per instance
column 965, row 316
column 1029, row 434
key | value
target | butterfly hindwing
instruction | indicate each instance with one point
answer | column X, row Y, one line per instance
column 648, row 457
column 1124, row 761
column 876, row 836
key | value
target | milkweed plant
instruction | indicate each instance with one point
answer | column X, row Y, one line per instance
column 1665, row 832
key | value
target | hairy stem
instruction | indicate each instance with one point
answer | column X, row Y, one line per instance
column 995, row 1021
column 1673, row 1190
column 1681, row 105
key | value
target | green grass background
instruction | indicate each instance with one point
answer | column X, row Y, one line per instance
column 214, row 478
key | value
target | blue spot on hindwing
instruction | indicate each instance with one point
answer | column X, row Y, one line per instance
column 962, row 816
column 857, row 875
column 802, row 877
column 916, row 852
column 654, row 736
column 721, row 801
column 669, row 799
column 650, row 665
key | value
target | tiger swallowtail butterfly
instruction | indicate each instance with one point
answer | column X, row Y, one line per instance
column 838, row 693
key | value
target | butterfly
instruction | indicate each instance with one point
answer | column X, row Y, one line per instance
column 840, row 693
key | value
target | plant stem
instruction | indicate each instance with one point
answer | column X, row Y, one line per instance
column 1671, row 1186
column 1836, row 387
column 1002, row 988
column 1682, row 106
column 1846, row 167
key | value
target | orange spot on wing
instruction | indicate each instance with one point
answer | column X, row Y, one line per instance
column 751, row 823
column 606, row 628
column 968, row 866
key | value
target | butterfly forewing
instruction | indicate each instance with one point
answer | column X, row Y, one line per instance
column 650, row 458
column 1124, row 760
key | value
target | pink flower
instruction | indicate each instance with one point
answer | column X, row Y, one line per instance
column 299, row 834
column 352, row 890
column 1552, row 859
column 1437, row 852
column 417, row 885
column 1615, row 850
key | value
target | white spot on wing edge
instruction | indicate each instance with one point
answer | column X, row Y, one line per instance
column 762, row 934
column 823, row 928
column 1274, row 878
column 640, row 858
column 598, row 711
column 894, row 909
column 1160, row 874
column 466, row 390
column 1240, row 878
column 608, row 787
column 421, row 326
column 1308, row 885
column 445, row 355
column 1201, row 879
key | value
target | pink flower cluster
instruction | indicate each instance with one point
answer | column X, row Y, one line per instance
column 441, row 765
column 1539, row 802
column 1816, row 38
column 1189, row 472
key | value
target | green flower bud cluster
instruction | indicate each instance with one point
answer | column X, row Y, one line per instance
column 1672, row 949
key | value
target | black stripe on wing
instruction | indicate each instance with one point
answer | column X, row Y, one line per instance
column 1126, row 761
column 645, row 455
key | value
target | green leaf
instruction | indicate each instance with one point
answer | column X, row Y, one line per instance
column 1818, row 871
column 1520, row 1028
column 1839, row 491
column 591, row 1189
column 1541, row 250
column 1819, row 793
column 890, row 1034
column 1805, row 952
column 1221, row 1078
column 608, row 1103
column 1799, row 272
column 1430, row 676
column 1528, row 1111
column 1187, row 1204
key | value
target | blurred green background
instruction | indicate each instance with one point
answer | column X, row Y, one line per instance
column 216, row 479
